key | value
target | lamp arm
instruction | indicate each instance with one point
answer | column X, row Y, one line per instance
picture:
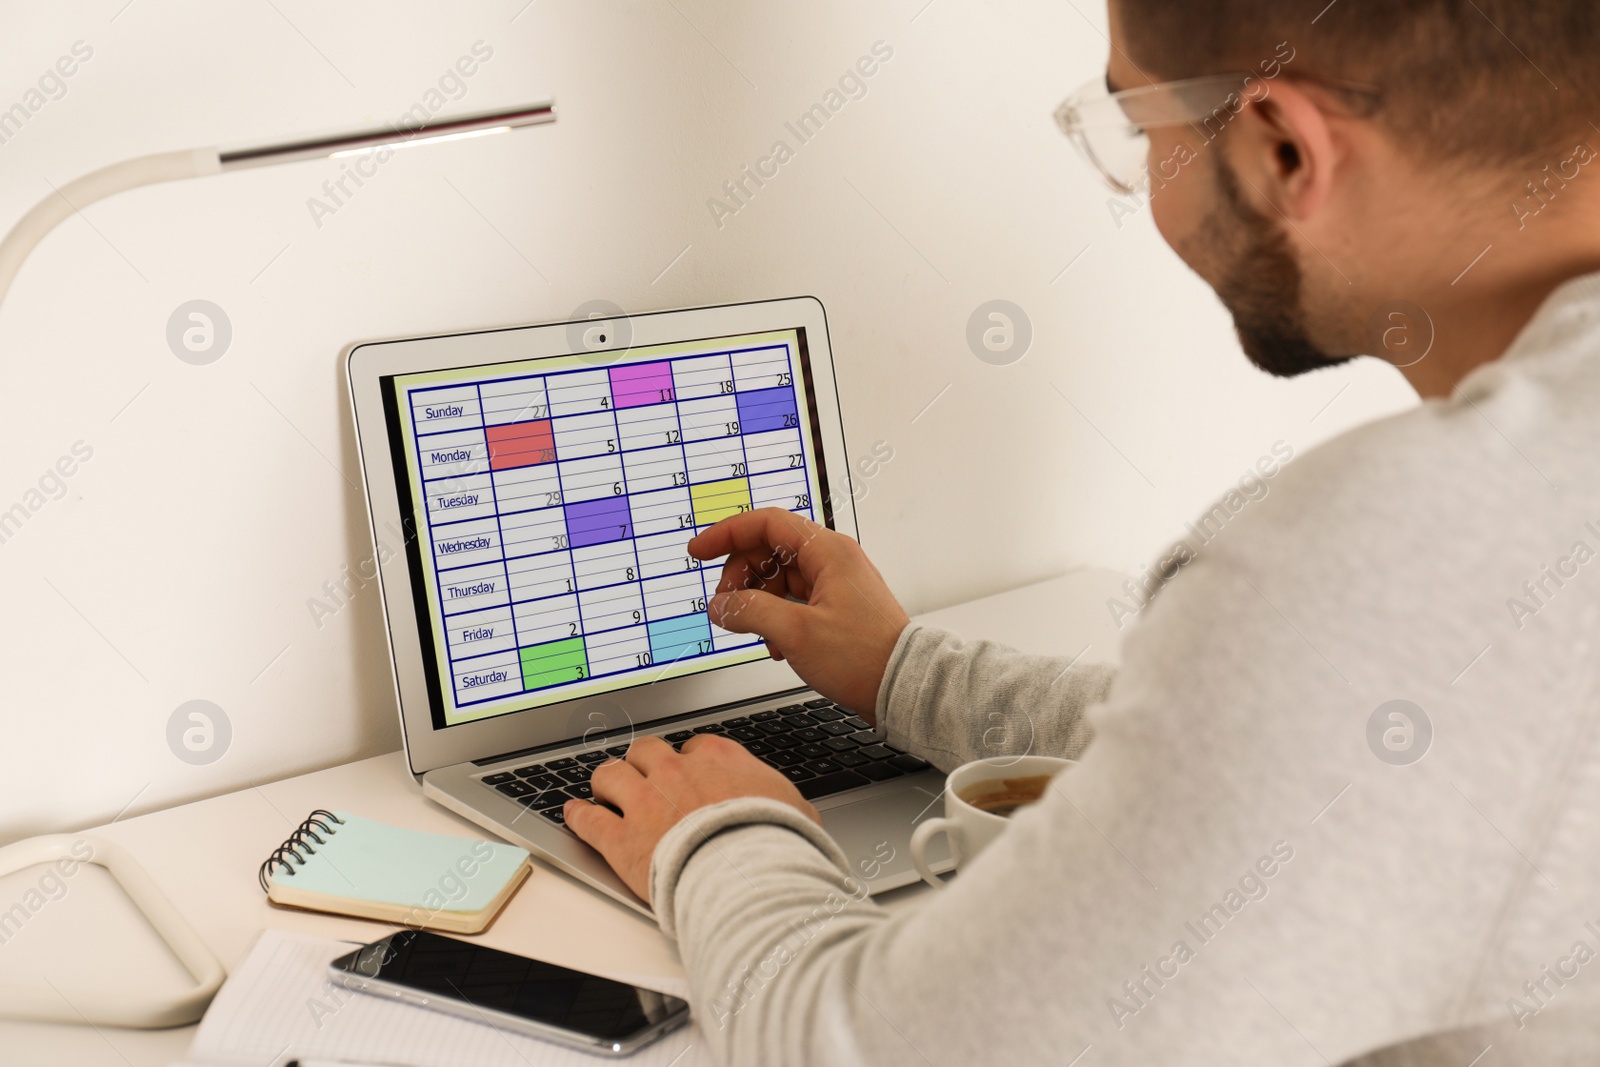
column 96, row 185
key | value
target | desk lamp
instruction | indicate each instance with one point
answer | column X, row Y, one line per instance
column 136, row 1007
column 198, row 162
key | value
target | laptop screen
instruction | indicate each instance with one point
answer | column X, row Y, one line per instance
column 553, row 500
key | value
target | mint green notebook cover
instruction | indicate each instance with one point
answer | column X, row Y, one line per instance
column 373, row 861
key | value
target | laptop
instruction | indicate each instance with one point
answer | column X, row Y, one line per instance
column 532, row 491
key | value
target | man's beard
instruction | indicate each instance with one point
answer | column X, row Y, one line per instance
column 1261, row 284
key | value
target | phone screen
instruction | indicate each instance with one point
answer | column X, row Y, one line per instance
column 491, row 980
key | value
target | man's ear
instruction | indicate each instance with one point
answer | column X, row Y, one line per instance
column 1284, row 145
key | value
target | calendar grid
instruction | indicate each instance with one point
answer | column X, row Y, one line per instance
column 494, row 500
column 543, row 576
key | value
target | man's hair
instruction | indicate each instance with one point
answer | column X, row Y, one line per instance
column 1489, row 82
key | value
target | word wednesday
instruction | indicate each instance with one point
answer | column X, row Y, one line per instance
column 852, row 85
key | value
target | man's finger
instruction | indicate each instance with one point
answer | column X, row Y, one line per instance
column 731, row 748
column 763, row 572
column 750, row 611
column 648, row 753
column 791, row 539
column 599, row 826
column 740, row 572
column 616, row 782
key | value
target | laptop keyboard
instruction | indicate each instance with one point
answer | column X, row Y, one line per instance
column 821, row 747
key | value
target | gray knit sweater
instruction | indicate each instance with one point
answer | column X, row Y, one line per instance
column 1261, row 858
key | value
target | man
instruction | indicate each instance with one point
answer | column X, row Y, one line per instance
column 1341, row 799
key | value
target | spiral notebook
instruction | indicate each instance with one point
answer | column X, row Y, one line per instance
column 342, row 863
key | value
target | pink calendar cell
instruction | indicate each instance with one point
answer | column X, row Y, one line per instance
column 641, row 383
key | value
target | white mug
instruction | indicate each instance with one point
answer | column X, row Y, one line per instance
column 972, row 829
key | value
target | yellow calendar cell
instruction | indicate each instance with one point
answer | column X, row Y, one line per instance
column 718, row 500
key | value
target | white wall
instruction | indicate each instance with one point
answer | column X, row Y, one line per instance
column 220, row 498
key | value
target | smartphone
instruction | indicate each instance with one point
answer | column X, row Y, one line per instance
column 511, row 992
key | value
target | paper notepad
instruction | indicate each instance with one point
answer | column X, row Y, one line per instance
column 278, row 1005
column 343, row 863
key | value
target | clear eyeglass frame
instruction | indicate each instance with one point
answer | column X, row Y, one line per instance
column 1109, row 129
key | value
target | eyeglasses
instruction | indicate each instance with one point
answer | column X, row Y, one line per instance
column 1109, row 129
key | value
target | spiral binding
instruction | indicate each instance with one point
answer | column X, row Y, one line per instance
column 300, row 840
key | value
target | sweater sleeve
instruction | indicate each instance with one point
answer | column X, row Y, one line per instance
column 951, row 701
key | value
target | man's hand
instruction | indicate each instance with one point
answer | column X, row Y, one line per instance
column 655, row 787
column 840, row 639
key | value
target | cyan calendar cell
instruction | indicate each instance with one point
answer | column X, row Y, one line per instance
column 675, row 639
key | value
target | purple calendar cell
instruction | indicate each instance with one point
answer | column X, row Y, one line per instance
column 641, row 383
column 594, row 522
column 761, row 410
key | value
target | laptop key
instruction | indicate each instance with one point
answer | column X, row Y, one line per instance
column 799, row 719
column 879, row 772
column 839, row 744
column 797, row 773
column 710, row 728
column 532, row 770
column 819, row 767
column 765, row 716
column 783, row 741
column 784, row 759
column 677, row 737
column 562, row 764
column 908, row 763
column 859, row 723
column 496, row 779
column 582, row 790
column 813, row 751
column 746, row 734
column 810, row 733
column 770, row 728
column 758, row 748
column 592, row 758
column 837, row 782
column 555, row 815
column 820, row 702
column 550, row 798
column 876, row 752
column 618, row 751
column 866, row 737
column 546, row 781
column 577, row 774
column 737, row 721
column 849, row 759
column 837, row 729
column 827, row 714
column 788, row 709
column 515, row 788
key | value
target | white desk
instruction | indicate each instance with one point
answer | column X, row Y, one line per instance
column 204, row 856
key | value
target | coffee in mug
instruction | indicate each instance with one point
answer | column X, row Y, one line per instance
column 1004, row 796
column 979, row 798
